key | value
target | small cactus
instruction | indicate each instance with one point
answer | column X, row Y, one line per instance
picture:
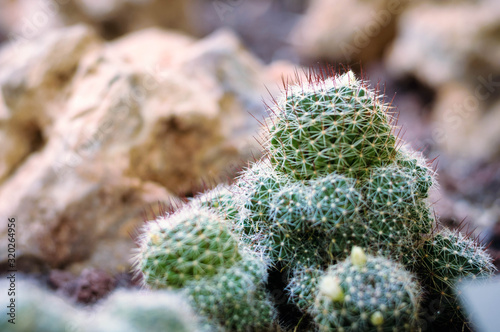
column 303, row 287
column 366, row 293
column 220, row 199
column 446, row 258
column 234, row 298
column 188, row 245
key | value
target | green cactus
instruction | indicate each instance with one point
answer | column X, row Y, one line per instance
column 220, row 199
column 256, row 187
column 334, row 183
column 303, row 287
column 366, row 293
column 333, row 202
column 335, row 125
column 416, row 165
column 236, row 297
column 446, row 258
column 145, row 311
column 188, row 245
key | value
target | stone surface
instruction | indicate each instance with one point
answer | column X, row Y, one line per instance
column 117, row 17
column 88, row 288
column 439, row 43
column 34, row 79
column 466, row 123
column 118, row 127
column 347, row 31
column 28, row 19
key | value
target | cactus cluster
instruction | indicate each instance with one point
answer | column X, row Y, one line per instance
column 195, row 252
column 338, row 205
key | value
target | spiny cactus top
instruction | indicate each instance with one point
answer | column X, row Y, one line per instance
column 332, row 125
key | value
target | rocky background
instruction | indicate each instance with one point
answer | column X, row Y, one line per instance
column 112, row 111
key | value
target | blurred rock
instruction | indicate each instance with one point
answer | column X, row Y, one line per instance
column 114, row 18
column 439, row 43
column 347, row 31
column 119, row 127
column 28, row 19
column 35, row 76
column 264, row 25
column 466, row 122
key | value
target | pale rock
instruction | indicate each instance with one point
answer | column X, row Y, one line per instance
column 440, row 43
column 465, row 126
column 199, row 117
column 347, row 31
column 120, row 133
column 34, row 80
column 113, row 18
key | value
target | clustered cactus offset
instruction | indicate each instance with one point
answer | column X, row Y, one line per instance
column 337, row 206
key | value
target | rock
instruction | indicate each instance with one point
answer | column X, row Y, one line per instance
column 439, row 43
column 133, row 122
column 466, row 123
column 35, row 76
column 26, row 19
column 347, row 31
column 116, row 18
column 89, row 287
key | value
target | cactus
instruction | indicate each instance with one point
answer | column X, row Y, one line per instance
column 188, row 245
column 195, row 251
column 446, row 258
column 333, row 125
column 338, row 207
column 303, row 287
column 220, row 199
column 366, row 293
column 256, row 187
column 236, row 296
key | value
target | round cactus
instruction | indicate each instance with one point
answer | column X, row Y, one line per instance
column 222, row 200
column 335, row 125
column 236, row 297
column 416, row 165
column 445, row 259
column 303, row 287
column 333, row 201
column 186, row 245
column 256, row 188
column 365, row 293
